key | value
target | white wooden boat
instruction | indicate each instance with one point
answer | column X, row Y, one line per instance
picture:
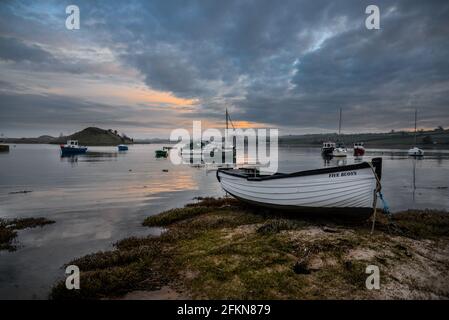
column 345, row 187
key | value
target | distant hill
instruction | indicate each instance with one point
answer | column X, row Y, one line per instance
column 41, row 139
column 93, row 136
column 153, row 140
column 430, row 139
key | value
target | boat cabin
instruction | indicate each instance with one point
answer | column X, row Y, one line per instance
column 358, row 144
column 73, row 143
column 328, row 145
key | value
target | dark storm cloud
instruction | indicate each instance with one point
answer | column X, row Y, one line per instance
column 290, row 64
column 377, row 76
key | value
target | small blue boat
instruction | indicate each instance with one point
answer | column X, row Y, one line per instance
column 72, row 148
column 122, row 147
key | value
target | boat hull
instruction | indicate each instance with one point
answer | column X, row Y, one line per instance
column 327, row 151
column 72, row 151
column 339, row 153
column 415, row 152
column 347, row 187
column 358, row 152
column 161, row 153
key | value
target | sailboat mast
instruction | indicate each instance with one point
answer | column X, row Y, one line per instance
column 226, row 120
column 339, row 124
column 416, row 112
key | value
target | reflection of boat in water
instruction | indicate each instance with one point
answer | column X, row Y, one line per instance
column 349, row 186
column 414, row 177
column 72, row 148
column 329, row 161
column 122, row 147
column 415, row 151
column 359, row 149
column 4, row 148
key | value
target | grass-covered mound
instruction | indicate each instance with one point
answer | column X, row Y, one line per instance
column 222, row 249
column 8, row 229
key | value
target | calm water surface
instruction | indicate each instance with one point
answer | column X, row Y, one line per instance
column 103, row 196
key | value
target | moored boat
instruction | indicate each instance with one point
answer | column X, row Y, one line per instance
column 327, row 148
column 340, row 150
column 344, row 187
column 72, row 147
column 161, row 153
column 359, row 149
column 122, row 147
column 415, row 151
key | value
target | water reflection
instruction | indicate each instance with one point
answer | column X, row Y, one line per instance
column 72, row 159
column 414, row 178
column 94, row 156
column 415, row 161
column 330, row 161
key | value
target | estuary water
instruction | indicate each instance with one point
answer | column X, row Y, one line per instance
column 101, row 197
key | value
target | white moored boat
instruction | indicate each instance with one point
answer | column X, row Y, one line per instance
column 340, row 150
column 415, row 151
column 346, row 187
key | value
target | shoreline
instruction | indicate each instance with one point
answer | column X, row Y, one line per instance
column 283, row 144
column 223, row 249
column 9, row 228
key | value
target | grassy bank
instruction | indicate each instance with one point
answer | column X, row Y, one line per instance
column 8, row 230
column 219, row 248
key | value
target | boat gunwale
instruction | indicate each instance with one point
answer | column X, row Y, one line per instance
column 248, row 176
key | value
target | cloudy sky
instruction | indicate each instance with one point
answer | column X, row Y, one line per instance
column 147, row 67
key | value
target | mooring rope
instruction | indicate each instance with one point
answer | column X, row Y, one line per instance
column 386, row 208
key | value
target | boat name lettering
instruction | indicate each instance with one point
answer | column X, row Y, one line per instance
column 342, row 174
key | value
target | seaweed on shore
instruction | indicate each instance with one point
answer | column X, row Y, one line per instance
column 223, row 249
